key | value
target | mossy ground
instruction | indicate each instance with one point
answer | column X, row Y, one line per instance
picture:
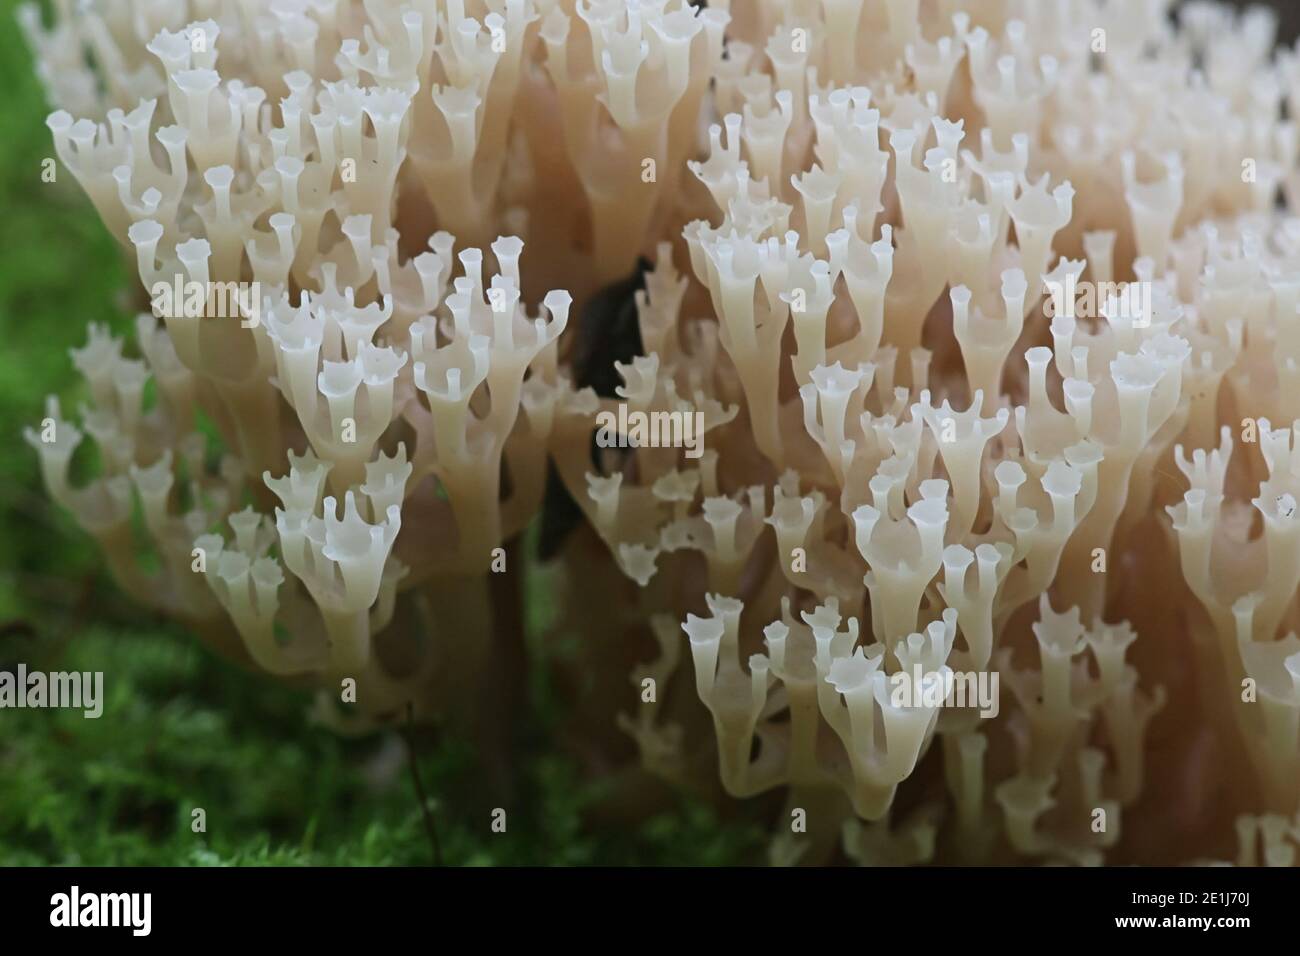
column 180, row 729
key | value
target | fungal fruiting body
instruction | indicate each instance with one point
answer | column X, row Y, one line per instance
column 970, row 359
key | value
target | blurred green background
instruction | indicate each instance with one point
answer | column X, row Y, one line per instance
column 180, row 728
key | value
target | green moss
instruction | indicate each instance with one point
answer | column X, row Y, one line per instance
column 181, row 730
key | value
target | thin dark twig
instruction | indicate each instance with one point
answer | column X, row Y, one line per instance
column 430, row 827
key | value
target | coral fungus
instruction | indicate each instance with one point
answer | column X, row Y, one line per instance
column 968, row 357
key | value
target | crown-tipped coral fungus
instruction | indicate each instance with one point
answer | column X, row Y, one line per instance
column 968, row 360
